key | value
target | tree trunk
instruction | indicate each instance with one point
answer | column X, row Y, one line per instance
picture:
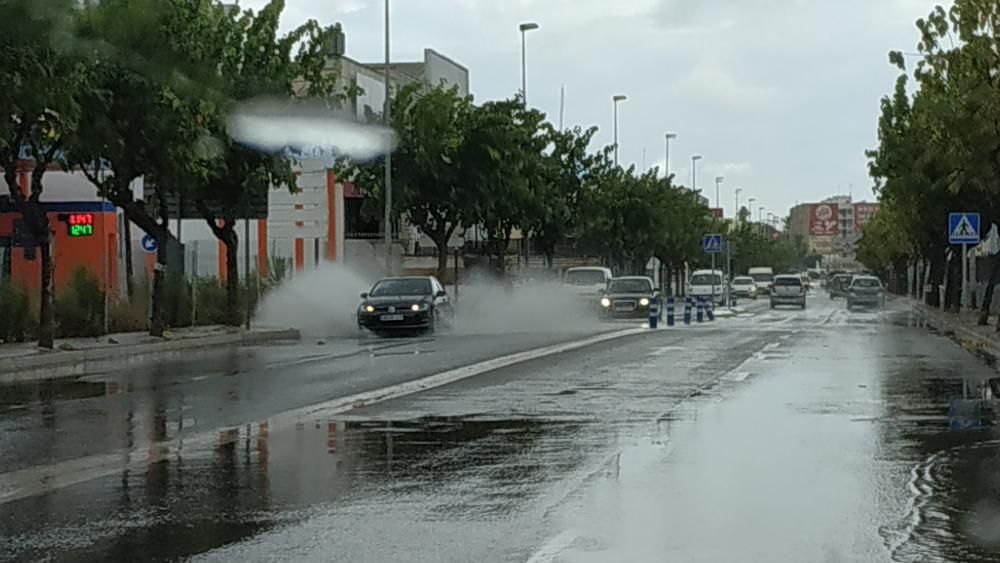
column 550, row 259
column 953, row 293
column 161, row 230
column 46, row 306
column 129, row 268
column 987, row 304
column 937, row 268
column 442, row 250
column 233, row 309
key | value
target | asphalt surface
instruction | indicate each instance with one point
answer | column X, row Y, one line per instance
column 785, row 435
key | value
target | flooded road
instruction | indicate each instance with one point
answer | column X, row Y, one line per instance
column 785, row 435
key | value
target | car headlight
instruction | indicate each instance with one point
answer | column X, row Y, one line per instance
column 369, row 309
column 644, row 302
column 605, row 302
column 419, row 307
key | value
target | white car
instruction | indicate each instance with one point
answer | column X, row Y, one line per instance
column 743, row 286
column 708, row 284
column 788, row 289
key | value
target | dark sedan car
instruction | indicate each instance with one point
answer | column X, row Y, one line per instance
column 628, row 297
column 395, row 304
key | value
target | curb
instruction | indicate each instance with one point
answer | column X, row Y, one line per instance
column 960, row 334
column 80, row 362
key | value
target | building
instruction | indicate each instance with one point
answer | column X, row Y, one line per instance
column 831, row 227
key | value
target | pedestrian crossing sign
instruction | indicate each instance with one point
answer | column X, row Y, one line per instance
column 963, row 228
column 712, row 244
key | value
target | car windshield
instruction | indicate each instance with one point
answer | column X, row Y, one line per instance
column 866, row 283
column 762, row 277
column 787, row 280
column 743, row 281
column 706, row 279
column 402, row 286
column 630, row 286
column 585, row 277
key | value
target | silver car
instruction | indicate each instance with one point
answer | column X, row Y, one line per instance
column 865, row 291
column 788, row 290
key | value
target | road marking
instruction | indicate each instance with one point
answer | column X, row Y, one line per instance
column 31, row 481
column 740, row 375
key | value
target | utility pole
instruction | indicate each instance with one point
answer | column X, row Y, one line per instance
column 388, row 154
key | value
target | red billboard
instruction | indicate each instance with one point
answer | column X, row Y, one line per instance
column 863, row 213
column 823, row 220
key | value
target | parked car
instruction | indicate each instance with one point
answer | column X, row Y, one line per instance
column 865, row 291
column 708, row 284
column 838, row 285
column 743, row 286
column 587, row 283
column 406, row 303
column 628, row 297
column 788, row 289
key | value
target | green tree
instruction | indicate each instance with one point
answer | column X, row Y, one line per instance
column 428, row 169
column 41, row 82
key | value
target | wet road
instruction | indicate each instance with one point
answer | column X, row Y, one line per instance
column 817, row 435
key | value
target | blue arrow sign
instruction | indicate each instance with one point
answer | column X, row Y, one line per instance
column 149, row 244
column 963, row 228
column 712, row 244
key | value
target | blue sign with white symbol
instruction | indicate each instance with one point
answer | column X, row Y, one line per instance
column 149, row 244
column 963, row 228
column 712, row 244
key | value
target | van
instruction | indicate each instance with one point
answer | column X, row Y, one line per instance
column 587, row 282
column 703, row 282
column 763, row 277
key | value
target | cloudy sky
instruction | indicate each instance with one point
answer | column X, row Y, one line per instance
column 779, row 96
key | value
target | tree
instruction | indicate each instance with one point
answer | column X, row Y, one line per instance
column 568, row 167
column 41, row 82
column 505, row 168
column 428, row 170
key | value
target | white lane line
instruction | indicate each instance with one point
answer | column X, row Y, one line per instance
column 741, row 376
column 31, row 481
column 552, row 548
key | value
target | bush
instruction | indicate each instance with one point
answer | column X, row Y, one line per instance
column 80, row 307
column 17, row 316
column 131, row 316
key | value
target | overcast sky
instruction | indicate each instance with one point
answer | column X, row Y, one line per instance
column 779, row 96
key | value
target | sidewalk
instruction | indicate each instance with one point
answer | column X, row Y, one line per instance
column 76, row 356
column 962, row 327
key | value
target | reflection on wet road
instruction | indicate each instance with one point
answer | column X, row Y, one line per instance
column 817, row 435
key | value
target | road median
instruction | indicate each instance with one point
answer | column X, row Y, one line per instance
column 74, row 357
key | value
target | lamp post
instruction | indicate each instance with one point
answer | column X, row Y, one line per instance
column 736, row 213
column 750, row 210
column 388, row 155
column 760, row 219
column 694, row 171
column 525, row 28
column 666, row 162
column 718, row 181
column 614, row 102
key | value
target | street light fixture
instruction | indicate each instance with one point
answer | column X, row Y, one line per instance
column 760, row 219
column 694, row 171
column 666, row 162
column 525, row 27
column 718, row 180
column 614, row 102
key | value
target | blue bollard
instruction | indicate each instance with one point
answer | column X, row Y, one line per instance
column 701, row 309
column 687, row 310
column 710, row 309
column 670, row 311
column 654, row 313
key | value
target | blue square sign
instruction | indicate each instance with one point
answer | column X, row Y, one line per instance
column 963, row 228
column 712, row 244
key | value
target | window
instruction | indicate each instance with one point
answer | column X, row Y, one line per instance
column 630, row 286
column 402, row 286
column 706, row 279
column 585, row 277
column 788, row 280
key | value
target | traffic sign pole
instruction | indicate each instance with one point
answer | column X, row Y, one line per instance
column 712, row 298
column 965, row 276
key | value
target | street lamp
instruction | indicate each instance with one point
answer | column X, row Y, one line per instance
column 760, row 219
column 694, row 171
column 718, row 180
column 750, row 209
column 388, row 155
column 525, row 27
column 736, row 213
column 666, row 161
column 614, row 102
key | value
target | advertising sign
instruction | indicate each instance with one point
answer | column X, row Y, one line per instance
column 863, row 213
column 823, row 220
